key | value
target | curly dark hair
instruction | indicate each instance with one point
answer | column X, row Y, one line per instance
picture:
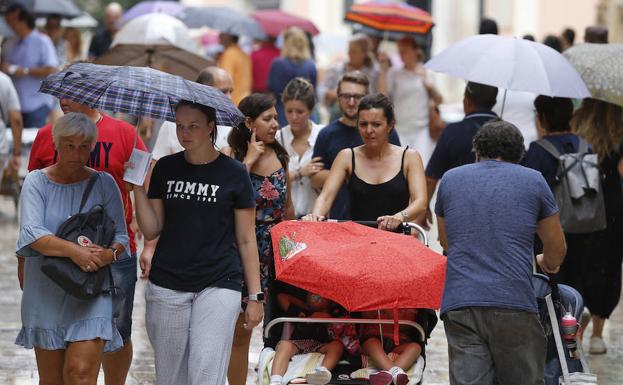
column 499, row 139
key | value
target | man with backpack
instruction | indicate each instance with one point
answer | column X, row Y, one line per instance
column 488, row 214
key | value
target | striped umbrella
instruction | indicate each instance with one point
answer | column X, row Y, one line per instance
column 391, row 17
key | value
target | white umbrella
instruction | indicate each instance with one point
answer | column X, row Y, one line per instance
column 512, row 64
column 83, row 21
column 154, row 29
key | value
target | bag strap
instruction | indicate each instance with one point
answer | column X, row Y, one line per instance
column 87, row 191
column 549, row 147
column 582, row 147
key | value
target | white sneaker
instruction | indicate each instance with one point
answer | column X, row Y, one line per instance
column 597, row 346
column 320, row 376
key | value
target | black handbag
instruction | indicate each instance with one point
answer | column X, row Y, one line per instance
column 92, row 227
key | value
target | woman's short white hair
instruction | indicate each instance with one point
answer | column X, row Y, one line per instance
column 74, row 124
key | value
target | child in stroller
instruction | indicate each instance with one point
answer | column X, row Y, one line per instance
column 306, row 338
column 377, row 342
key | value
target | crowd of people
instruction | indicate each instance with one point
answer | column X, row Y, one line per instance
column 214, row 192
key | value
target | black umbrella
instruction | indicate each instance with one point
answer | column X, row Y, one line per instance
column 63, row 8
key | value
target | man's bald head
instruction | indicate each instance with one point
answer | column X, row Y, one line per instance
column 218, row 78
column 112, row 14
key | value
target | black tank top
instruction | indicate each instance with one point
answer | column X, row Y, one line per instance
column 370, row 201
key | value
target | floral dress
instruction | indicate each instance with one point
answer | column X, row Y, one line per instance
column 270, row 203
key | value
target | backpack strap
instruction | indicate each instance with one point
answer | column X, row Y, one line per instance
column 549, row 147
column 582, row 147
column 87, row 190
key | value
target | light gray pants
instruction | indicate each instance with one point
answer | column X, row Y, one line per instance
column 488, row 345
column 191, row 333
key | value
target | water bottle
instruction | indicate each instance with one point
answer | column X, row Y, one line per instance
column 569, row 326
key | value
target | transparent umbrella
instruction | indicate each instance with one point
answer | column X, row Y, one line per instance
column 600, row 67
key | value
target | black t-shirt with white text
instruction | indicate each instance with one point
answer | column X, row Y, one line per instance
column 197, row 247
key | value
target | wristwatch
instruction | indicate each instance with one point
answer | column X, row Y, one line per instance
column 405, row 215
column 114, row 254
column 257, row 297
column 25, row 70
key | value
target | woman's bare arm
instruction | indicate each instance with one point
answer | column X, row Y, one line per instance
column 337, row 176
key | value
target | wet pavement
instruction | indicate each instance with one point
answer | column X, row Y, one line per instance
column 18, row 367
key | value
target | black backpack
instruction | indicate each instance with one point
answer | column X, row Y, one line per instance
column 96, row 227
column 578, row 189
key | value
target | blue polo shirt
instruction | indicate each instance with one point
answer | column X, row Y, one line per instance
column 454, row 147
column 34, row 51
column 332, row 139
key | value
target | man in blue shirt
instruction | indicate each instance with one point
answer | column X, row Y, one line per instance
column 454, row 147
column 488, row 214
column 343, row 133
column 30, row 58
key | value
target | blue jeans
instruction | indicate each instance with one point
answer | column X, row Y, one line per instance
column 124, row 272
column 36, row 118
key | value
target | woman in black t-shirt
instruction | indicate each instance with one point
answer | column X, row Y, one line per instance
column 253, row 143
column 200, row 203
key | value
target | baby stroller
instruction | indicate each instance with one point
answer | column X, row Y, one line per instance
column 565, row 363
column 349, row 365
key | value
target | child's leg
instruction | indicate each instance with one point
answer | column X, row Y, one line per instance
column 408, row 353
column 373, row 348
column 332, row 354
column 283, row 353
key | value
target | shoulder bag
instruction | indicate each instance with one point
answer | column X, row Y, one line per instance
column 91, row 227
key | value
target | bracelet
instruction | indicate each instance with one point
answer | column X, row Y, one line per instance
column 114, row 254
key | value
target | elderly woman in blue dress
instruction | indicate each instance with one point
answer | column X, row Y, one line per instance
column 69, row 335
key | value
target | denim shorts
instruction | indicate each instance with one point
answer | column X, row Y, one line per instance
column 125, row 275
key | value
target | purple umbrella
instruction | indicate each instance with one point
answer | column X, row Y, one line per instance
column 145, row 7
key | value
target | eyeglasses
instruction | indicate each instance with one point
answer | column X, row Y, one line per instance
column 348, row 97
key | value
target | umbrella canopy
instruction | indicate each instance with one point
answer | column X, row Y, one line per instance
column 83, row 21
column 600, row 68
column 145, row 7
column 358, row 267
column 167, row 58
column 156, row 28
column 273, row 21
column 222, row 19
column 63, row 8
column 391, row 16
column 512, row 64
column 137, row 91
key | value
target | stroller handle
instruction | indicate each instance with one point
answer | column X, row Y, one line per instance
column 404, row 228
column 343, row 321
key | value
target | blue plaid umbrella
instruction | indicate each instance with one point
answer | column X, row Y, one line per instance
column 138, row 91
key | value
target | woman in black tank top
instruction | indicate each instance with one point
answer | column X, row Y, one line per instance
column 386, row 183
